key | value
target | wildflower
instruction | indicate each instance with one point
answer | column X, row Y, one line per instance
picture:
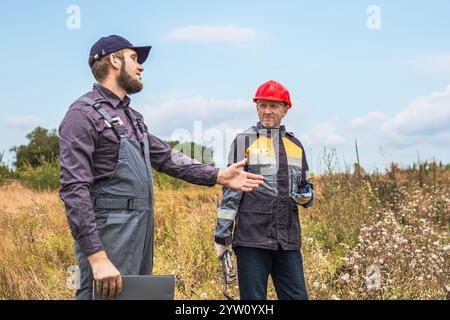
column 345, row 277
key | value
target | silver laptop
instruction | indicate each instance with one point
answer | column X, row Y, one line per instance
column 144, row 288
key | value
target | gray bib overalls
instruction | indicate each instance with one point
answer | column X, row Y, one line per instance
column 123, row 208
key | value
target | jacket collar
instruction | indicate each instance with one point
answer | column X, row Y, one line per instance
column 260, row 127
column 111, row 97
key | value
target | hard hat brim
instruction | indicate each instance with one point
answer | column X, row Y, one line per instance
column 270, row 99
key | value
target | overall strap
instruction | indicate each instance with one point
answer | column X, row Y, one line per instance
column 137, row 123
column 141, row 125
column 118, row 129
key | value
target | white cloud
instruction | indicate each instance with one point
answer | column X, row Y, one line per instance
column 207, row 121
column 368, row 120
column 213, row 34
column 323, row 133
column 425, row 120
column 22, row 121
column 182, row 113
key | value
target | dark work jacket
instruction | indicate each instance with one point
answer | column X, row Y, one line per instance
column 267, row 217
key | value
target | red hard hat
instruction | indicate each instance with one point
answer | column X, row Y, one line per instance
column 274, row 91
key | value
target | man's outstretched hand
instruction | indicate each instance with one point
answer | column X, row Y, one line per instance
column 236, row 178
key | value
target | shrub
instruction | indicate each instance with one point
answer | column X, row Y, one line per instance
column 43, row 177
column 43, row 145
column 6, row 173
column 163, row 181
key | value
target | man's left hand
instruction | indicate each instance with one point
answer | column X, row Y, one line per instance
column 236, row 178
column 221, row 249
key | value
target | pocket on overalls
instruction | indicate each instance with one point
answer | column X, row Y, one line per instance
column 119, row 239
column 120, row 218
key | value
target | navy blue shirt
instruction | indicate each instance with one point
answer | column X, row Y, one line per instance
column 89, row 151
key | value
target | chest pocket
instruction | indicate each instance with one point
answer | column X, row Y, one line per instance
column 105, row 133
column 108, row 143
column 108, row 135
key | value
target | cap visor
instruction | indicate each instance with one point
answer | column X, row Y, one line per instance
column 142, row 53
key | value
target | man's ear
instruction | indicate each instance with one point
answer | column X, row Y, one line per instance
column 115, row 62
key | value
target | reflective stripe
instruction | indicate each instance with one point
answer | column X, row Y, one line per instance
column 226, row 214
column 257, row 159
column 262, row 146
column 293, row 161
column 268, row 170
column 292, row 150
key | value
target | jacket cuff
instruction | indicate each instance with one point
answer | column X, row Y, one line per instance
column 90, row 244
column 213, row 180
column 310, row 202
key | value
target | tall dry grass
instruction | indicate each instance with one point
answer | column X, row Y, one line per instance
column 383, row 236
column 35, row 245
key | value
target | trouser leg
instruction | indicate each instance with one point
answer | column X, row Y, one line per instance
column 288, row 277
column 254, row 266
column 85, row 277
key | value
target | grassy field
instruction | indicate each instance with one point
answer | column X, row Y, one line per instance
column 378, row 236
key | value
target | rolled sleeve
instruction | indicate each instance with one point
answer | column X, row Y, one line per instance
column 178, row 165
column 77, row 146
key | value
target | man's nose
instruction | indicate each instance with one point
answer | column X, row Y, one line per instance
column 140, row 68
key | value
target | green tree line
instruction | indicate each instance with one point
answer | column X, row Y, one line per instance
column 37, row 162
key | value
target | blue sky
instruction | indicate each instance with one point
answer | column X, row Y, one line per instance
column 388, row 87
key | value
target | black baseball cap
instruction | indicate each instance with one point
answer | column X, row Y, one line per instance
column 113, row 43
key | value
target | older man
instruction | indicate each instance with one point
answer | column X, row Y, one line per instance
column 106, row 156
column 266, row 238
